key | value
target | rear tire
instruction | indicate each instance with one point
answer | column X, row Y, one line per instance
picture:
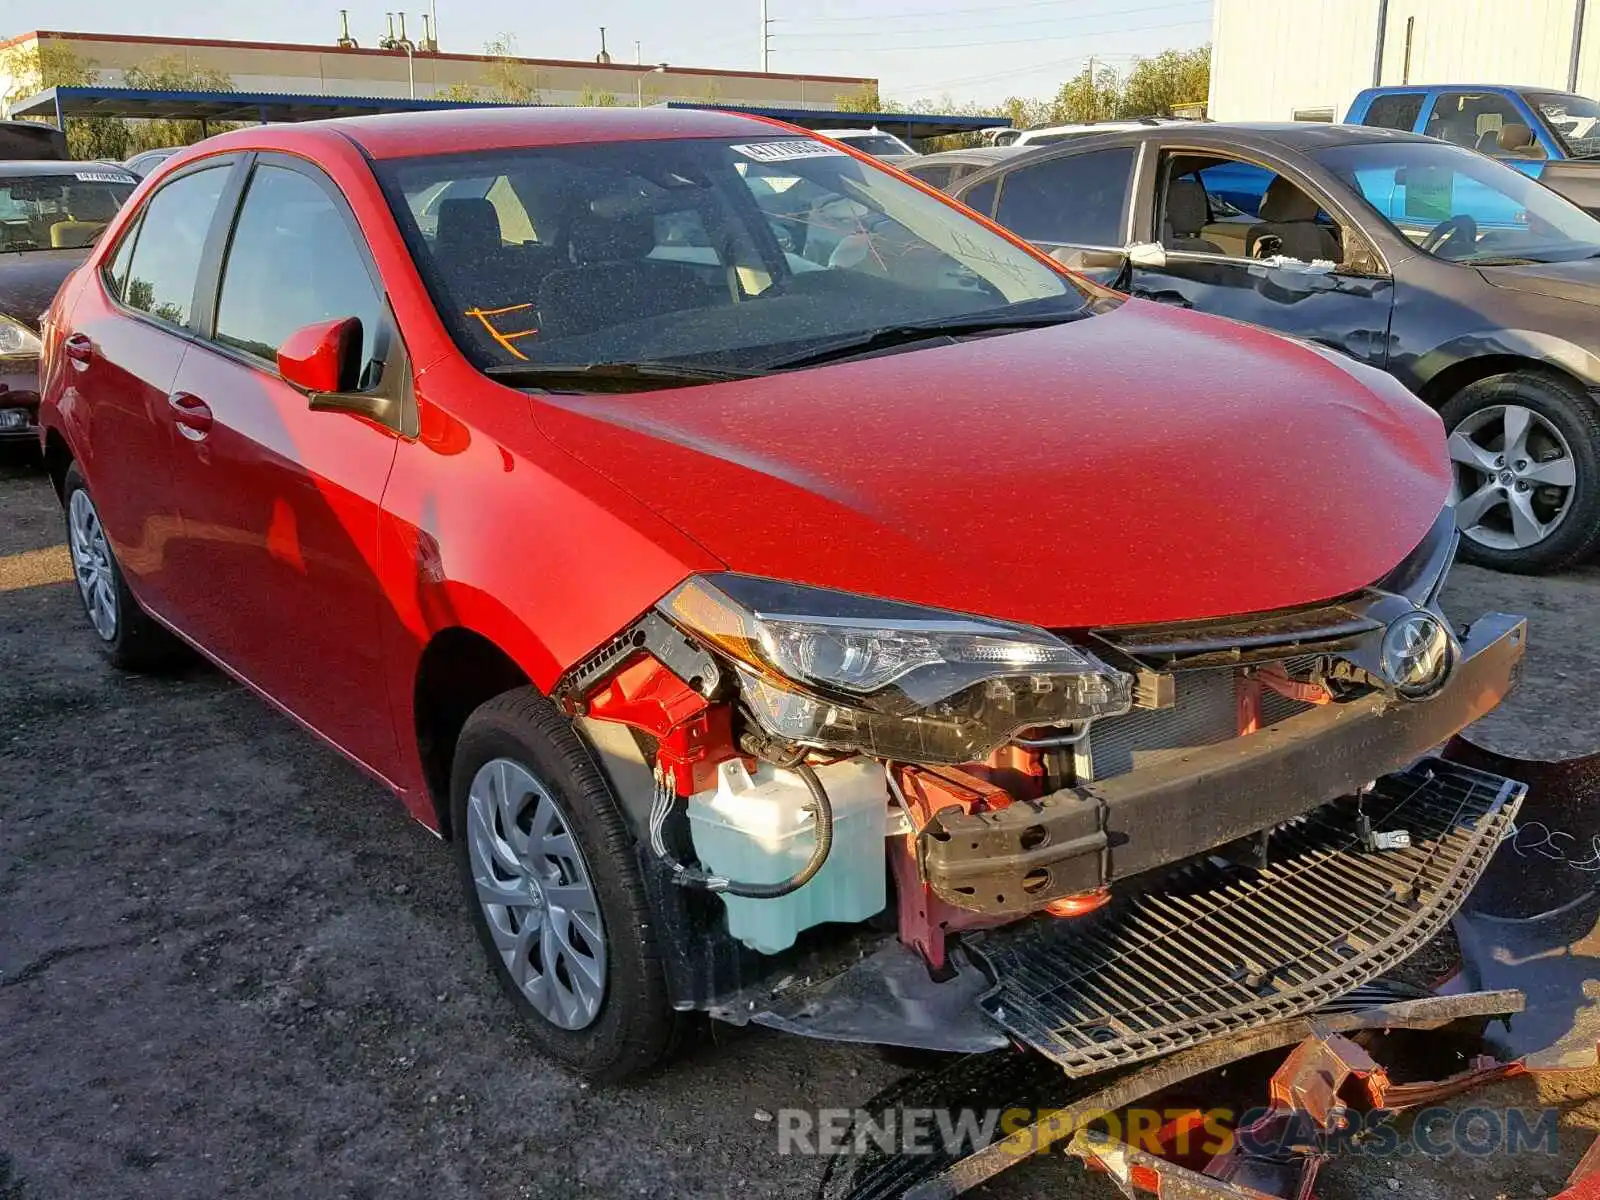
column 535, row 825
column 130, row 638
column 1525, row 449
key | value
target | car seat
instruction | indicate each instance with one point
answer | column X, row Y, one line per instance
column 613, row 279
column 1289, row 220
column 1185, row 218
column 89, row 211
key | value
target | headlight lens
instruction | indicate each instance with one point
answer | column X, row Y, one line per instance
column 895, row 680
column 17, row 340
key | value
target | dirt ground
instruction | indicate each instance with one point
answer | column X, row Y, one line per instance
column 231, row 966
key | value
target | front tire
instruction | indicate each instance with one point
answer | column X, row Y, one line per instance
column 1525, row 450
column 129, row 637
column 546, row 860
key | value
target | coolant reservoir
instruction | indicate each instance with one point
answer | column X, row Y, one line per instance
column 755, row 828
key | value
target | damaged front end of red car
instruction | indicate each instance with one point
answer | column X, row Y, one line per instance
column 869, row 820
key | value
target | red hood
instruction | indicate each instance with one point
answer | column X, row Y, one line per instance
column 1144, row 465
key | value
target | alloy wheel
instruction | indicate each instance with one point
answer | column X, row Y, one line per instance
column 91, row 564
column 535, row 891
column 1515, row 477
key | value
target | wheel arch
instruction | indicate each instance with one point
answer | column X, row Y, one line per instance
column 58, row 459
column 1518, row 350
column 458, row 670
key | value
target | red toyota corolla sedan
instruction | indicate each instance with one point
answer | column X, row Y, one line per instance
column 797, row 599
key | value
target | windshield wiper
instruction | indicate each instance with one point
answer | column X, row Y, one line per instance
column 918, row 331
column 612, row 376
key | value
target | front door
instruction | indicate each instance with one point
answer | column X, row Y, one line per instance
column 1242, row 240
column 280, row 504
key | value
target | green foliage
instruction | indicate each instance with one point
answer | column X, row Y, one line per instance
column 1156, row 85
column 170, row 73
column 505, row 80
column 593, row 97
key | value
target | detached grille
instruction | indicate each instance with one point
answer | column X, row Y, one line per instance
column 1216, row 949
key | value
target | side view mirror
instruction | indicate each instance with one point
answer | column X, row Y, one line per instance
column 1102, row 266
column 323, row 358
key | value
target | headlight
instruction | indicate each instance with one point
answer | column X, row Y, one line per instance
column 894, row 680
column 17, row 340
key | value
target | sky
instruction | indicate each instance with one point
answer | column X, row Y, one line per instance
column 919, row 49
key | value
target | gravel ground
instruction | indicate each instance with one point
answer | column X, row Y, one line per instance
column 230, row 965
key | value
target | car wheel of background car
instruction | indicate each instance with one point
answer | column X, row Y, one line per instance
column 1525, row 448
column 547, row 861
column 132, row 639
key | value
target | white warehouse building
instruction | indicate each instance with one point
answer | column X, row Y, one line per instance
column 1281, row 60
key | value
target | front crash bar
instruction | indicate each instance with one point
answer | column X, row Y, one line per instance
column 1087, row 836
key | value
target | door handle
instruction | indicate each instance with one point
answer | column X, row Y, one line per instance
column 191, row 414
column 79, row 349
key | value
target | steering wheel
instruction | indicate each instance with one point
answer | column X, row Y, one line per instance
column 1448, row 231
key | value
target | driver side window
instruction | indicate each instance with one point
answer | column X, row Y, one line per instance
column 1239, row 209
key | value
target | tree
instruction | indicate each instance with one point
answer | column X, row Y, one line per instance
column 866, row 99
column 593, row 97
column 171, row 73
column 48, row 64
column 1156, row 85
column 1087, row 97
column 506, row 79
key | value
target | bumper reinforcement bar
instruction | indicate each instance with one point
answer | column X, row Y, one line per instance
column 1011, row 861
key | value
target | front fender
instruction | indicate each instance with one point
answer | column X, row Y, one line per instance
column 1536, row 345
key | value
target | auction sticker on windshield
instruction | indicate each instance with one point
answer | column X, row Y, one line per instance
column 103, row 177
column 788, row 151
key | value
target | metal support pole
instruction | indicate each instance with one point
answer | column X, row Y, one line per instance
column 764, row 36
column 1377, row 44
column 1577, row 45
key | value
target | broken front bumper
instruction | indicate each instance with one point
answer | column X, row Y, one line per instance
column 1010, row 861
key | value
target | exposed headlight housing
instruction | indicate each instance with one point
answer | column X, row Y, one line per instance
column 848, row 672
column 17, row 340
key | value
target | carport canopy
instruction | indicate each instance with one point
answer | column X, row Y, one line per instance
column 906, row 125
column 61, row 103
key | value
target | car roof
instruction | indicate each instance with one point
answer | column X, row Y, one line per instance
column 980, row 155
column 1466, row 87
column 465, row 130
column 1290, row 135
column 12, row 168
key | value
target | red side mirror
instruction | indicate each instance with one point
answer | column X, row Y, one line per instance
column 325, row 357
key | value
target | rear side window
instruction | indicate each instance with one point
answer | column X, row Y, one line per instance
column 938, row 176
column 172, row 235
column 1398, row 111
column 293, row 261
column 1079, row 198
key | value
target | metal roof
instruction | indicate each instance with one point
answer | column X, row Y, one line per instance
column 910, row 125
column 60, row 103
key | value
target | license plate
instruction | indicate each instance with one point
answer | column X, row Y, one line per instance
column 13, row 418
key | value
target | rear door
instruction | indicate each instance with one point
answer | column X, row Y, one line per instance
column 1319, row 278
column 128, row 335
column 280, row 503
column 1063, row 202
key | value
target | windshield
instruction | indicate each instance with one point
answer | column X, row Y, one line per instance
column 59, row 210
column 1575, row 121
column 1459, row 205
column 700, row 252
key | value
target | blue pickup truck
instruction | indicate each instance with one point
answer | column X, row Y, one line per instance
column 1552, row 136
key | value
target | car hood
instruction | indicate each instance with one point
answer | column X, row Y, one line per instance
column 1578, row 280
column 1144, row 465
column 29, row 280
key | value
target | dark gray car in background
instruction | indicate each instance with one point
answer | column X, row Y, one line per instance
column 50, row 214
column 1468, row 282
